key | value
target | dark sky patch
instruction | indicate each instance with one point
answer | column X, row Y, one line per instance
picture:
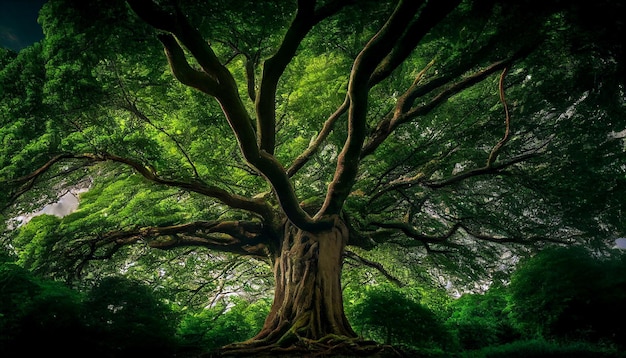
column 18, row 23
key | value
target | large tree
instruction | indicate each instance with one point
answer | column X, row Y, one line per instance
column 454, row 132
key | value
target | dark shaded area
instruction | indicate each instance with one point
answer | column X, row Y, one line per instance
column 116, row 318
column 564, row 302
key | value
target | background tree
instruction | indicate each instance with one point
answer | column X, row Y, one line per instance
column 570, row 293
column 30, row 307
column 456, row 132
column 480, row 320
column 115, row 318
column 118, row 305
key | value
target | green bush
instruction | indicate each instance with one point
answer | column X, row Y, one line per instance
column 38, row 315
column 567, row 293
column 540, row 348
column 481, row 320
column 126, row 318
column 386, row 314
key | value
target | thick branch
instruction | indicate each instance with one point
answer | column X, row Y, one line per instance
column 183, row 71
column 225, row 90
column 282, row 185
column 431, row 15
column 268, row 166
column 215, row 80
column 398, row 54
column 234, row 201
column 231, row 236
column 257, row 206
column 273, row 69
column 405, row 112
column 358, row 89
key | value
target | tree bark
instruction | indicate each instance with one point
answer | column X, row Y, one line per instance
column 308, row 303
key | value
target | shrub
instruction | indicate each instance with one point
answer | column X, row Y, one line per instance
column 385, row 314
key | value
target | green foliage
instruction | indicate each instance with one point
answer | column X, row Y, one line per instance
column 540, row 348
column 117, row 305
column 222, row 324
column 116, row 318
column 99, row 83
column 36, row 238
column 30, row 307
column 570, row 293
column 387, row 314
column 481, row 320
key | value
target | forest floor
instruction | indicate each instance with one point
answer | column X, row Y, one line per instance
column 378, row 351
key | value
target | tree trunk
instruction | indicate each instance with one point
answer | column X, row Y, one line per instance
column 307, row 312
column 308, row 301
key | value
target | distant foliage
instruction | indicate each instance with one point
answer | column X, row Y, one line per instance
column 569, row 293
column 540, row 348
column 116, row 318
column 222, row 324
column 38, row 315
column 481, row 320
column 128, row 317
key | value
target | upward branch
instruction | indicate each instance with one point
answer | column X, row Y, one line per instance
column 272, row 71
column 358, row 89
column 217, row 81
column 274, row 67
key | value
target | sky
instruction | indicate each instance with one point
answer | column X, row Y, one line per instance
column 18, row 23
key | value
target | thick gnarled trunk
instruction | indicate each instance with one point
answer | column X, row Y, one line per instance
column 308, row 302
column 308, row 305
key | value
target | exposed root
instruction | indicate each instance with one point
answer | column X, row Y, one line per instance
column 328, row 346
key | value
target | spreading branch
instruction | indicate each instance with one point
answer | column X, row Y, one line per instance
column 230, row 236
column 406, row 112
column 237, row 237
column 375, row 265
column 254, row 205
column 486, row 170
column 223, row 87
column 445, row 239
